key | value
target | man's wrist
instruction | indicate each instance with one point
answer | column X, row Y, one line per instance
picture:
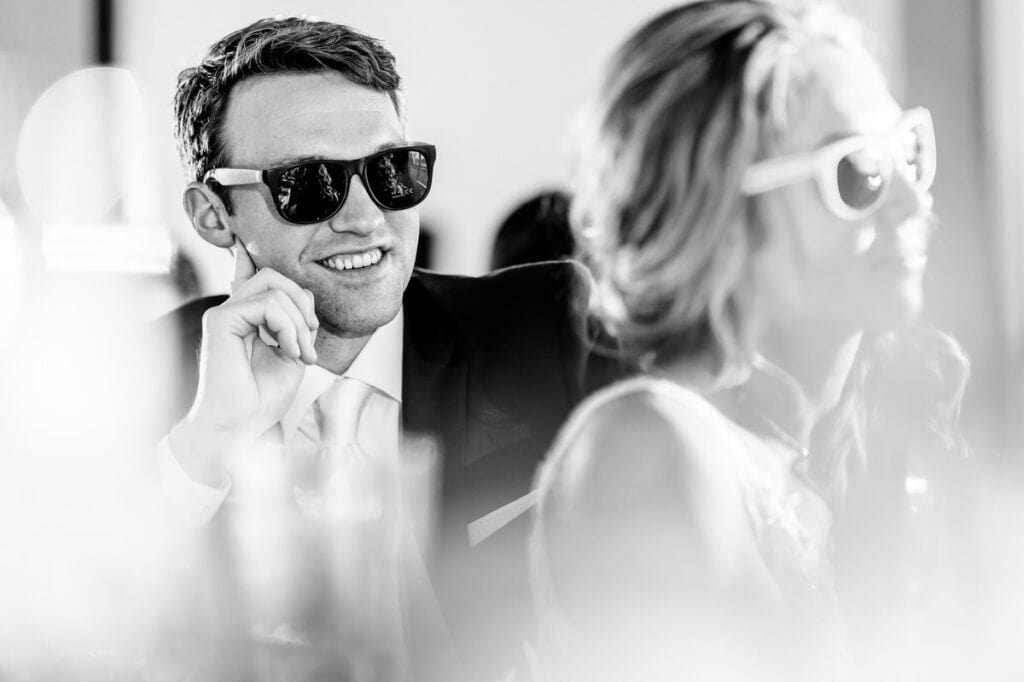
column 189, row 500
column 203, row 452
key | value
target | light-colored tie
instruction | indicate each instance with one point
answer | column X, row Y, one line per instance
column 334, row 476
column 350, row 494
column 340, row 407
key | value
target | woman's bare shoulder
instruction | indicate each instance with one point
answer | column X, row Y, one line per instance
column 636, row 435
column 643, row 479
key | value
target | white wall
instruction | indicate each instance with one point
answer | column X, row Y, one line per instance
column 483, row 79
column 963, row 291
column 40, row 41
column 1003, row 139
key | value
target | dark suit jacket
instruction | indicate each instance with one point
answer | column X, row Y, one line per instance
column 491, row 368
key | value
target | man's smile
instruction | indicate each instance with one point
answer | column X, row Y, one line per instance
column 353, row 261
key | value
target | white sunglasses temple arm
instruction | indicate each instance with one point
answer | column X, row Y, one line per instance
column 765, row 176
column 234, row 176
column 770, row 174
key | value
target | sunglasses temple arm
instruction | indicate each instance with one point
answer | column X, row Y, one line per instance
column 235, row 176
column 774, row 173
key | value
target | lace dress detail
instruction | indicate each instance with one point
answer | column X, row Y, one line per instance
column 792, row 529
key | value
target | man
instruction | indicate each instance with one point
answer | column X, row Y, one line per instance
column 292, row 133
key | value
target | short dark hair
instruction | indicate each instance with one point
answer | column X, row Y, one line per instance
column 269, row 46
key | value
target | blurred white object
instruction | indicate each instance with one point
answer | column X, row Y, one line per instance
column 12, row 274
column 916, row 485
column 81, row 144
column 124, row 248
column 84, row 171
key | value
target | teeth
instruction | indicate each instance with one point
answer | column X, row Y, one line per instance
column 353, row 261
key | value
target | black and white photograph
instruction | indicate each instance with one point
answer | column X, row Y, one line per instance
column 480, row 341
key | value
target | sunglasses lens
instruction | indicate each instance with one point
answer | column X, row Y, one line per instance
column 861, row 178
column 399, row 178
column 310, row 192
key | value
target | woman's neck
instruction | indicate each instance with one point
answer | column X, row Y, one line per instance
column 801, row 374
column 798, row 375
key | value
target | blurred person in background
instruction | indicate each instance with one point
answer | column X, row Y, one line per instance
column 537, row 230
column 293, row 135
column 756, row 209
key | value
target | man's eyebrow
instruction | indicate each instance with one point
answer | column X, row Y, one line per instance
column 314, row 158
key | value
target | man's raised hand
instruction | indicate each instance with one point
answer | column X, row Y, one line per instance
column 255, row 348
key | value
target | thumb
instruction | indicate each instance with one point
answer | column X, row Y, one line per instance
column 244, row 267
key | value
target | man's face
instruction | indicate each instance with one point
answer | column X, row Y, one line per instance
column 287, row 118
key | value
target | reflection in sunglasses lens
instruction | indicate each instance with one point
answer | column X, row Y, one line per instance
column 399, row 178
column 308, row 192
column 861, row 178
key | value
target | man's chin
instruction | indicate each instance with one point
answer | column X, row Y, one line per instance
column 350, row 324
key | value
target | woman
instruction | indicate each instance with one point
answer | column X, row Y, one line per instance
column 755, row 208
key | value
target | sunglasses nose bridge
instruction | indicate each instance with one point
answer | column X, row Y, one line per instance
column 904, row 196
column 359, row 212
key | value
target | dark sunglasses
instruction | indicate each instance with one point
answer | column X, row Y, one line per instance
column 396, row 178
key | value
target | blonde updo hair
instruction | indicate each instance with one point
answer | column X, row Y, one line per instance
column 686, row 105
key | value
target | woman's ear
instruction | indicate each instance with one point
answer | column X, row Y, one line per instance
column 208, row 215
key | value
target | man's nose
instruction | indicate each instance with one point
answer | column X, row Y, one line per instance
column 358, row 213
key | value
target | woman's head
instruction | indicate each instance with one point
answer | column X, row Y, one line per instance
column 689, row 255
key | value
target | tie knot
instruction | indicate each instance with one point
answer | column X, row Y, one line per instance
column 340, row 408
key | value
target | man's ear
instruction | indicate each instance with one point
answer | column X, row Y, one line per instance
column 208, row 215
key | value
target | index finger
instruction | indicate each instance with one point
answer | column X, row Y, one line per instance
column 244, row 267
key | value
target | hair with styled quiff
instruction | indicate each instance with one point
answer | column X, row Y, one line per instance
column 269, row 46
column 687, row 103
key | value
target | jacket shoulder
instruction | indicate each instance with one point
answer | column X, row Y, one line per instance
column 521, row 289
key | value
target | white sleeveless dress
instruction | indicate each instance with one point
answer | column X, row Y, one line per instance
column 787, row 520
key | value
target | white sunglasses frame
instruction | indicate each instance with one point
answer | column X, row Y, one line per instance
column 822, row 164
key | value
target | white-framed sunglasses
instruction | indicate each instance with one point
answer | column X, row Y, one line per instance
column 854, row 174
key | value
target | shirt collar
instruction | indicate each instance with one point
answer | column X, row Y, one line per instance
column 378, row 364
